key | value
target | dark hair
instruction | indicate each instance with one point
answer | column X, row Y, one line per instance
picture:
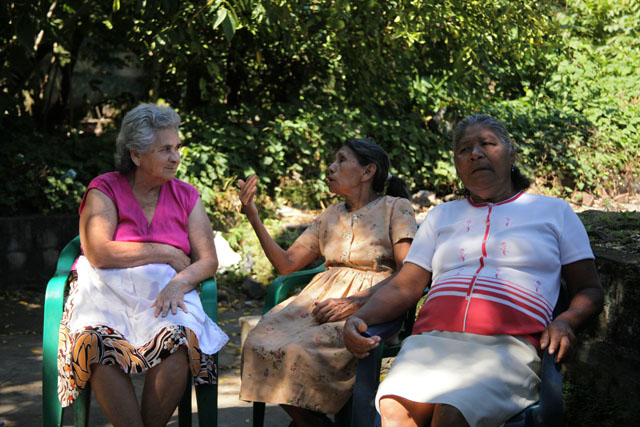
column 368, row 152
column 520, row 182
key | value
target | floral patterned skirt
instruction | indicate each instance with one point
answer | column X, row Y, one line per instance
column 289, row 358
column 101, row 344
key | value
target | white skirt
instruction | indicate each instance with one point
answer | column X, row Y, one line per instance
column 488, row 378
column 121, row 298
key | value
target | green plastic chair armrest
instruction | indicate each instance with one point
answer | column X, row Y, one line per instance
column 53, row 306
column 209, row 298
column 280, row 287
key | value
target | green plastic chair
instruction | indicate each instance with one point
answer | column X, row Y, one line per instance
column 206, row 395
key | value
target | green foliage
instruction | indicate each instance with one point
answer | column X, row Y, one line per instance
column 47, row 174
column 580, row 129
column 274, row 87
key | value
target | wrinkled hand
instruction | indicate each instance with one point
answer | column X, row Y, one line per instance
column 334, row 309
column 560, row 339
column 170, row 298
column 357, row 344
column 247, row 195
column 179, row 260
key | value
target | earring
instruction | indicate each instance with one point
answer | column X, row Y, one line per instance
column 513, row 168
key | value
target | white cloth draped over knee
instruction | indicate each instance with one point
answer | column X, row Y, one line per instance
column 122, row 298
column 488, row 378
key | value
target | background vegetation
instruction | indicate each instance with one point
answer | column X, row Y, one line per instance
column 273, row 87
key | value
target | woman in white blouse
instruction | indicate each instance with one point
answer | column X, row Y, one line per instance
column 494, row 260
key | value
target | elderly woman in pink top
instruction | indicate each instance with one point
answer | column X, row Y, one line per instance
column 494, row 260
column 132, row 305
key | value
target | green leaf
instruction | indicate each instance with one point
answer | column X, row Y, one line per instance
column 229, row 27
column 221, row 15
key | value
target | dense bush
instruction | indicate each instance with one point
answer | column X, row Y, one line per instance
column 274, row 87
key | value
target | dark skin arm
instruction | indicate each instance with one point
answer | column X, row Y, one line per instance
column 587, row 299
column 392, row 301
column 284, row 261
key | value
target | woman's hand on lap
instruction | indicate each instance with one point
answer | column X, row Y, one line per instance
column 334, row 309
column 170, row 298
column 357, row 344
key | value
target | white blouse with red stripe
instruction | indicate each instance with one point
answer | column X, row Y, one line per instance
column 496, row 266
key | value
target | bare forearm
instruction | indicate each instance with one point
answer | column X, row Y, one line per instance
column 115, row 254
column 190, row 277
column 388, row 303
column 584, row 305
column 364, row 295
column 276, row 255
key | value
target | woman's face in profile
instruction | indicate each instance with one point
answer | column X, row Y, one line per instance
column 161, row 160
column 345, row 173
column 483, row 163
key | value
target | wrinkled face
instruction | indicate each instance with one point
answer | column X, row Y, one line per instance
column 345, row 173
column 483, row 164
column 161, row 160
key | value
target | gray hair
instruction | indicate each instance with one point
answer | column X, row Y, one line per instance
column 487, row 122
column 138, row 131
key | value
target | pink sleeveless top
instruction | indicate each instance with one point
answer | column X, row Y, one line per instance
column 169, row 224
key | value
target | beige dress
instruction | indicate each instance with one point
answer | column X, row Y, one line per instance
column 291, row 359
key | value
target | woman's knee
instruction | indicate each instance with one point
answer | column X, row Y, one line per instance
column 447, row 415
column 398, row 411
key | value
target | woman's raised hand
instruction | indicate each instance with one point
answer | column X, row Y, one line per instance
column 247, row 195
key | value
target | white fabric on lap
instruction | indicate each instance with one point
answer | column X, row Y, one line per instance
column 121, row 298
column 488, row 378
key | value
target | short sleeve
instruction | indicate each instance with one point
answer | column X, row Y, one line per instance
column 424, row 243
column 105, row 183
column 185, row 194
column 574, row 241
column 403, row 221
column 310, row 238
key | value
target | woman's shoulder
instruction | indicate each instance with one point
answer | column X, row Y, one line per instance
column 543, row 202
column 110, row 183
column 397, row 201
column 183, row 186
column 109, row 178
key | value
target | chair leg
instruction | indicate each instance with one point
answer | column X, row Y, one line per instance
column 81, row 408
column 364, row 393
column 258, row 414
column 184, row 407
column 207, row 399
column 343, row 417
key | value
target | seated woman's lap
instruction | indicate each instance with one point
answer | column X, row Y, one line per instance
column 488, row 378
column 105, row 346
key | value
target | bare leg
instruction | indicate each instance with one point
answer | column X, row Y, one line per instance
column 397, row 411
column 447, row 415
column 163, row 387
column 306, row 417
column 115, row 395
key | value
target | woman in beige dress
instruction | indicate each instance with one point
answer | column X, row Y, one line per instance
column 296, row 356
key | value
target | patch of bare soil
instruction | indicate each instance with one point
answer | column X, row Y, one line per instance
column 21, row 313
